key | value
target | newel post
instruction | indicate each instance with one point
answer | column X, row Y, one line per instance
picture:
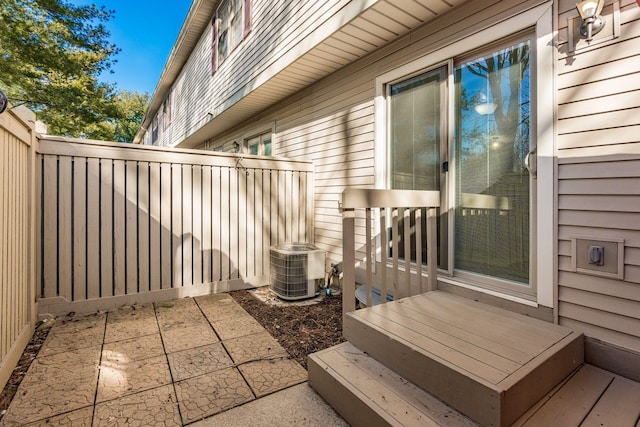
column 349, row 261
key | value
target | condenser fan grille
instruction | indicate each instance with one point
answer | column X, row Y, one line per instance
column 297, row 270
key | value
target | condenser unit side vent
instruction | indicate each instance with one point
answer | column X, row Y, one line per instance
column 297, row 270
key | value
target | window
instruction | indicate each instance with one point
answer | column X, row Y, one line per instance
column 154, row 130
column 260, row 145
column 166, row 112
column 231, row 24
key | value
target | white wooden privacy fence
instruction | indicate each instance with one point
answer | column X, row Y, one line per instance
column 120, row 222
column 17, row 237
column 383, row 253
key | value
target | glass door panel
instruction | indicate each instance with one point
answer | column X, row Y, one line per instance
column 492, row 184
column 416, row 132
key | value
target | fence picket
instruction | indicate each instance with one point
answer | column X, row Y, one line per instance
column 206, row 225
column 155, row 227
column 119, row 227
column 143, row 227
column 196, row 181
column 176, row 225
column 93, row 228
column 79, row 225
column 106, row 227
column 64, row 228
column 166, row 248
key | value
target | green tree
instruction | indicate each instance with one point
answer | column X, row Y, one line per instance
column 51, row 56
column 131, row 107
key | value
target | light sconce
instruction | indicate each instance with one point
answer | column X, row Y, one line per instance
column 592, row 22
column 483, row 106
column 236, row 146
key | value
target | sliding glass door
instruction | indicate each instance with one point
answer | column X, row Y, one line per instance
column 473, row 142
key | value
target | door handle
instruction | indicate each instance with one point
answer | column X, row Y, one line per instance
column 530, row 162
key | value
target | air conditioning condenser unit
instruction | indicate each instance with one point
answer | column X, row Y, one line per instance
column 297, row 270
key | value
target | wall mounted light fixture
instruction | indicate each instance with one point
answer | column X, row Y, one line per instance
column 592, row 22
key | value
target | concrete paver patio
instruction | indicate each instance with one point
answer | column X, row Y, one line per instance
column 169, row 363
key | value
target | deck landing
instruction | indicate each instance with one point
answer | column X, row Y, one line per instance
column 490, row 364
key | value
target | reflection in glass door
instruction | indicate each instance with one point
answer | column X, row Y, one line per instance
column 492, row 184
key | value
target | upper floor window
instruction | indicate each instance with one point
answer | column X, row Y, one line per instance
column 231, row 24
column 166, row 112
column 154, row 130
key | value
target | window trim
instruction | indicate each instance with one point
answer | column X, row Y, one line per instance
column 540, row 19
column 247, row 26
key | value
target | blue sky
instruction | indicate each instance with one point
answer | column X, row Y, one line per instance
column 145, row 31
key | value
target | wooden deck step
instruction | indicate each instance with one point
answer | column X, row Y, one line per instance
column 488, row 363
column 366, row 393
column 592, row 397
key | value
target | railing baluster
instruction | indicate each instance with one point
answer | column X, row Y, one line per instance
column 418, row 219
column 407, row 249
column 384, row 248
column 432, row 248
column 369, row 260
column 395, row 243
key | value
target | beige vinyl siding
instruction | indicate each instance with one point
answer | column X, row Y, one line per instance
column 277, row 28
column 332, row 122
column 599, row 176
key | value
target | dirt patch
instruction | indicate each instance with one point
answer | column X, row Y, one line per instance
column 28, row 356
column 300, row 329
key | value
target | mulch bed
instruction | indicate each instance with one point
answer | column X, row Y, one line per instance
column 300, row 329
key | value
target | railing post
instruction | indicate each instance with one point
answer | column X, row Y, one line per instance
column 432, row 250
column 349, row 261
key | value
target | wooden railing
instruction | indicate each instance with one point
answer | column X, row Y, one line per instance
column 17, row 236
column 381, row 253
column 122, row 223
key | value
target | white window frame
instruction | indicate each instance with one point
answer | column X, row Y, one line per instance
column 246, row 21
column 540, row 20
column 261, row 137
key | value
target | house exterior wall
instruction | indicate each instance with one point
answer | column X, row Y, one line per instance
column 596, row 125
column 598, row 140
column 332, row 122
column 597, row 174
column 277, row 27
